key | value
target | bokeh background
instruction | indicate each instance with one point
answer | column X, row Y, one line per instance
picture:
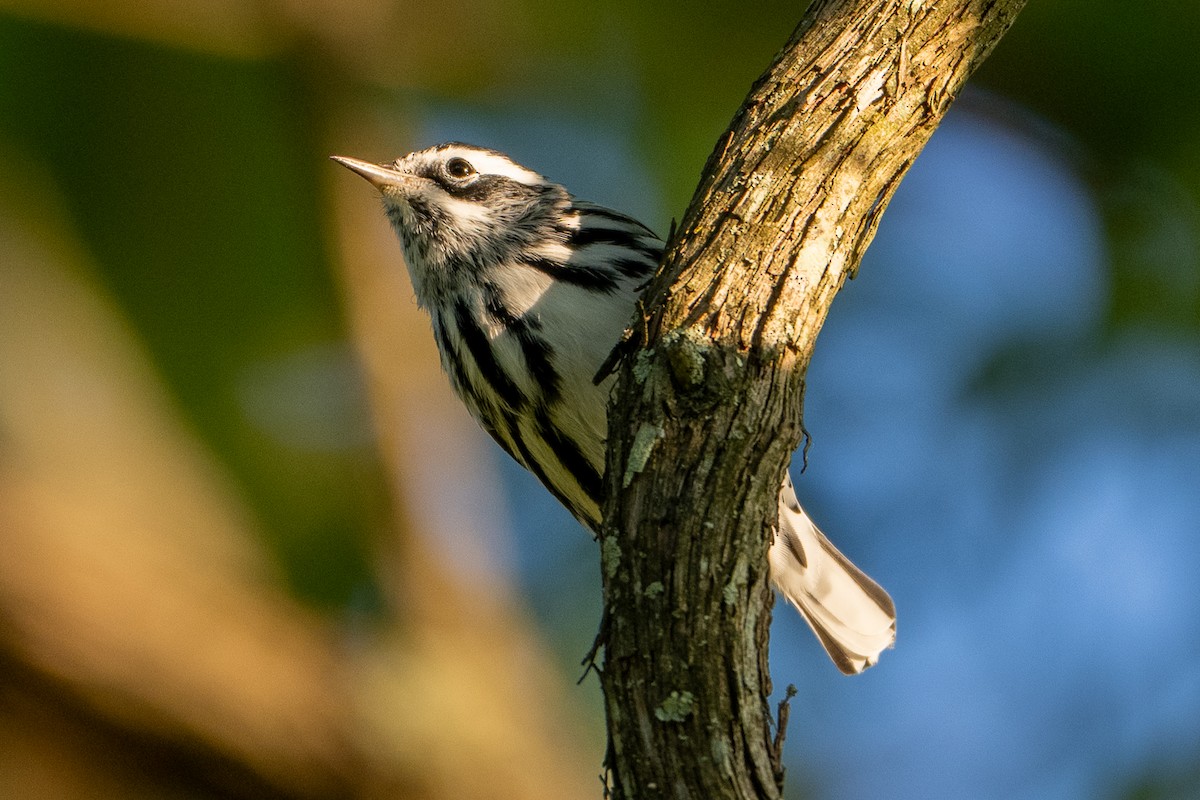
column 250, row 546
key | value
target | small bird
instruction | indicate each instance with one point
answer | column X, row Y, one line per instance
column 529, row 290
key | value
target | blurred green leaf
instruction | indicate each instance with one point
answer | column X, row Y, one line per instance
column 192, row 181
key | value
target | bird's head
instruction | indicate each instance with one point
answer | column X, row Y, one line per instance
column 458, row 207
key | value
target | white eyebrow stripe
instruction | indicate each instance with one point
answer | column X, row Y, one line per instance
column 493, row 164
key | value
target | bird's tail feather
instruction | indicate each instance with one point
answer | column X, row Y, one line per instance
column 852, row 615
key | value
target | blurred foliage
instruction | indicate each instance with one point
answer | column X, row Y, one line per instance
column 1120, row 79
column 193, row 166
column 188, row 177
column 1165, row 784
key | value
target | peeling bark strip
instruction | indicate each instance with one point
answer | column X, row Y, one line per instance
column 787, row 203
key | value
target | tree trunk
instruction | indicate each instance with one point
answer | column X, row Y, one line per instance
column 707, row 409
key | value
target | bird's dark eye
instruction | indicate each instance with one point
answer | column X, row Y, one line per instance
column 459, row 168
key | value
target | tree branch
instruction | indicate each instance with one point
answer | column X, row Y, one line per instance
column 707, row 411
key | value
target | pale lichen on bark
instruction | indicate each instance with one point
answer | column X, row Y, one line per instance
column 787, row 203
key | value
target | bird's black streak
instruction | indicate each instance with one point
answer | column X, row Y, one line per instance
column 571, row 456
column 591, row 278
column 526, row 457
column 535, row 349
column 485, row 360
column 617, row 237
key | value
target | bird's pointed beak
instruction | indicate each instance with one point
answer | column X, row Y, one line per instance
column 378, row 174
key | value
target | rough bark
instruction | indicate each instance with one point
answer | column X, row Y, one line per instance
column 709, row 396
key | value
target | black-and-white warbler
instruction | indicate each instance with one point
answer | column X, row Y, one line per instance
column 529, row 291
